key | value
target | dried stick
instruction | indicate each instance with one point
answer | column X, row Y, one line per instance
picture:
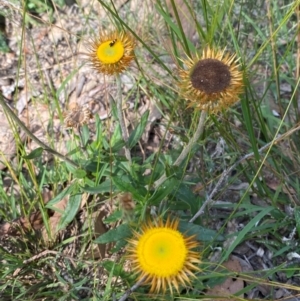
column 129, row 291
column 228, row 170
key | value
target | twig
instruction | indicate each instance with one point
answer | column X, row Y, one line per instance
column 227, row 171
column 132, row 289
column 35, row 257
column 270, row 144
column 46, row 148
column 121, row 117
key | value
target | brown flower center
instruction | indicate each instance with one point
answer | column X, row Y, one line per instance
column 210, row 76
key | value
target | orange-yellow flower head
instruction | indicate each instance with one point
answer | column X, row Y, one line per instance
column 112, row 52
column 162, row 256
column 211, row 82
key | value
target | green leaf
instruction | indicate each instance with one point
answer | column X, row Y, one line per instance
column 99, row 132
column 120, row 233
column 60, row 196
column 70, row 211
column 113, row 107
column 94, row 166
column 250, row 227
column 71, row 168
column 125, row 185
column 162, row 191
column 116, row 139
column 79, row 173
column 202, row 234
column 281, row 251
column 36, row 153
column 186, row 198
column 277, row 214
column 3, row 43
column 61, row 88
column 114, row 217
column 106, row 186
column 290, row 272
column 116, row 268
column 218, row 278
column 117, row 146
column 138, row 131
column 120, row 244
column 85, row 135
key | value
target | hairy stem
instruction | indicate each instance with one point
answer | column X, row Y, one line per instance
column 185, row 152
column 133, row 288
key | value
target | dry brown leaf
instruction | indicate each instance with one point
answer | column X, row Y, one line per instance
column 231, row 285
column 275, row 183
column 22, row 225
column 25, row 224
column 54, row 220
column 99, row 230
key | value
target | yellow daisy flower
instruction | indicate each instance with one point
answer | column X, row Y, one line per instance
column 211, row 82
column 162, row 256
column 112, row 52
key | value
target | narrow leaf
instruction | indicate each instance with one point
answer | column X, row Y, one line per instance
column 120, row 233
column 139, row 130
column 201, row 233
column 250, row 227
column 124, row 185
column 36, row 153
column 106, row 186
column 60, row 196
column 71, row 210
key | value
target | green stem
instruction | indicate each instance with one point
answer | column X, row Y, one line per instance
column 46, row 148
column 185, row 152
column 121, row 117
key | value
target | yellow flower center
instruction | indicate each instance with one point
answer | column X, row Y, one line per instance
column 110, row 52
column 162, row 252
